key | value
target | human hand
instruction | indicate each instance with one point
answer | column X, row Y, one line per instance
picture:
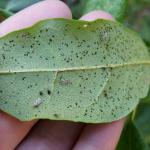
column 47, row 134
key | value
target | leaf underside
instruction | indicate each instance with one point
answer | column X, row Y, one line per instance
column 73, row 70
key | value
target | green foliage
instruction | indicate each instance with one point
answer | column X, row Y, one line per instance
column 116, row 8
column 4, row 14
column 9, row 7
column 54, row 70
column 142, row 118
column 15, row 5
column 131, row 139
column 138, row 18
column 136, row 134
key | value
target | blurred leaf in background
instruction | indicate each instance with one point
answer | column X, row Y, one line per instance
column 142, row 118
column 4, row 14
column 9, row 7
column 131, row 139
column 138, row 18
column 136, row 134
column 116, row 8
column 142, row 121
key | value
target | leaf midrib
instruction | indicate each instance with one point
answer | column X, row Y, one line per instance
column 76, row 68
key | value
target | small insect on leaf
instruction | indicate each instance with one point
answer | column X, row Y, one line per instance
column 37, row 102
column 85, row 25
column 65, row 82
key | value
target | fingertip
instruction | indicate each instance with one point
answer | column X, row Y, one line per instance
column 98, row 14
column 12, row 130
column 36, row 12
column 95, row 136
column 61, row 10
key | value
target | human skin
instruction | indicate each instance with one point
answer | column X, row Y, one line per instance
column 48, row 134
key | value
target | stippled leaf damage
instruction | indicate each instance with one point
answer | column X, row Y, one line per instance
column 73, row 70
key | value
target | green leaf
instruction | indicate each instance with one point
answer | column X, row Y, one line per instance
column 116, row 8
column 138, row 18
column 9, row 7
column 148, row 49
column 15, row 5
column 142, row 118
column 3, row 14
column 4, row 3
column 73, row 70
column 140, row 123
column 147, row 98
column 131, row 139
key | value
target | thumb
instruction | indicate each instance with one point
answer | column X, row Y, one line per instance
column 98, row 14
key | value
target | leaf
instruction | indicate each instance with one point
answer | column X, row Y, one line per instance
column 9, row 7
column 148, row 49
column 73, row 70
column 5, row 13
column 136, row 134
column 4, row 3
column 138, row 18
column 147, row 98
column 116, row 8
column 131, row 139
column 15, row 5
column 142, row 118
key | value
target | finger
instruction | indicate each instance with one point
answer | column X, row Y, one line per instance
column 11, row 129
column 54, row 135
column 100, row 136
column 39, row 11
column 98, row 14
